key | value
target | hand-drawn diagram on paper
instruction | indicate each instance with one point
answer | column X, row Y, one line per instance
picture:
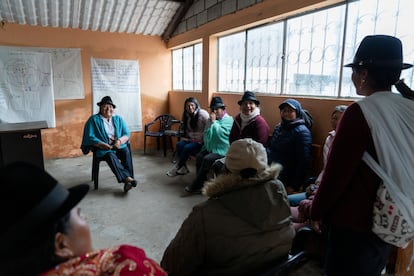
column 66, row 68
column 26, row 89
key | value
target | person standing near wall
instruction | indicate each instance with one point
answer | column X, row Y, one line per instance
column 108, row 135
column 381, row 124
column 194, row 121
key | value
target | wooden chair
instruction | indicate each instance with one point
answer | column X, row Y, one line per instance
column 160, row 128
column 95, row 166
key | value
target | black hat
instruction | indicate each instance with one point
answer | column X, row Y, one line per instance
column 379, row 51
column 31, row 199
column 248, row 96
column 216, row 102
column 106, row 100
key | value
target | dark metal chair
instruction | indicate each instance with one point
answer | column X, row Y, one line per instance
column 161, row 128
column 95, row 166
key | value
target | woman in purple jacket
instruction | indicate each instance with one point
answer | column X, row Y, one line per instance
column 247, row 124
column 346, row 195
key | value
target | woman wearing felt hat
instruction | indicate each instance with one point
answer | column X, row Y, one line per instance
column 108, row 135
column 247, row 124
column 382, row 125
column 44, row 233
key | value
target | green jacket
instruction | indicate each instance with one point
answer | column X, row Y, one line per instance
column 243, row 226
column 216, row 135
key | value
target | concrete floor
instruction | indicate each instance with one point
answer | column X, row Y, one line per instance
column 149, row 215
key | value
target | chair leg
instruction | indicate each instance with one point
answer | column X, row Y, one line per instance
column 145, row 143
column 95, row 174
column 164, row 145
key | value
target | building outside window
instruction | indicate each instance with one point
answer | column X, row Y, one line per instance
column 187, row 66
column 304, row 55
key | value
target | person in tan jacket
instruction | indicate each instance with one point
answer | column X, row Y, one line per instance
column 244, row 225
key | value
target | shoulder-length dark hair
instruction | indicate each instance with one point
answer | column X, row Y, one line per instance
column 193, row 119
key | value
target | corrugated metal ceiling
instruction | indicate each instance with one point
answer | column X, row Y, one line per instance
column 146, row 17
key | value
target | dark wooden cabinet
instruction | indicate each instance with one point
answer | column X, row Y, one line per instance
column 21, row 142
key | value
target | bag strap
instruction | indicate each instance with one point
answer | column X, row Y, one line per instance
column 369, row 160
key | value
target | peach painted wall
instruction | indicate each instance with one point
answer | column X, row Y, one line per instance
column 320, row 109
column 155, row 78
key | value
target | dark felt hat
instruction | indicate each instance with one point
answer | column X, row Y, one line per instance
column 216, row 102
column 379, row 51
column 30, row 200
column 248, row 96
column 106, row 100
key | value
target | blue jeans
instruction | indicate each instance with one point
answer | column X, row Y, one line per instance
column 295, row 199
column 120, row 163
column 186, row 148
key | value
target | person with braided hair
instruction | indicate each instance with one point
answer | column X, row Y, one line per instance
column 344, row 201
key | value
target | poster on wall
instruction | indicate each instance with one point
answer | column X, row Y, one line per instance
column 26, row 87
column 67, row 70
column 118, row 79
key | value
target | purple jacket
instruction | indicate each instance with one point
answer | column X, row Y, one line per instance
column 257, row 129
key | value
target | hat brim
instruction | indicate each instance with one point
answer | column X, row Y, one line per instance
column 76, row 194
column 101, row 103
column 282, row 105
column 217, row 106
column 355, row 65
column 255, row 101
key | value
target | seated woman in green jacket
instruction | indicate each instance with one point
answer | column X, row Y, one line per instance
column 216, row 143
column 243, row 226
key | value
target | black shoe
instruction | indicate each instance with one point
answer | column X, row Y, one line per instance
column 127, row 187
column 191, row 190
column 134, row 183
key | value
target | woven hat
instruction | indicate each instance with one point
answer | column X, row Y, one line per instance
column 379, row 51
column 216, row 102
column 31, row 199
column 246, row 154
column 106, row 100
column 248, row 96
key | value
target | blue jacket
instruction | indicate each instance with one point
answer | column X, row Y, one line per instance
column 290, row 146
column 94, row 132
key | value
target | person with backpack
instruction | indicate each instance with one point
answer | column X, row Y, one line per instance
column 381, row 124
column 290, row 146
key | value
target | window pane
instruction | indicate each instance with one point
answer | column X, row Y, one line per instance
column 231, row 55
column 188, row 68
column 368, row 17
column 313, row 53
column 264, row 58
column 177, row 66
column 198, row 62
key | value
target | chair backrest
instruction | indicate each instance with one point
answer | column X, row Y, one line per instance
column 165, row 121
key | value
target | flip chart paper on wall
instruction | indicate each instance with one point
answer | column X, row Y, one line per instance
column 26, row 87
column 118, row 79
column 67, row 70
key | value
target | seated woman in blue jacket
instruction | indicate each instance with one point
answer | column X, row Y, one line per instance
column 290, row 146
column 108, row 134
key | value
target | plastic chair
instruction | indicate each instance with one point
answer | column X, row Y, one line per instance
column 95, row 166
column 160, row 128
